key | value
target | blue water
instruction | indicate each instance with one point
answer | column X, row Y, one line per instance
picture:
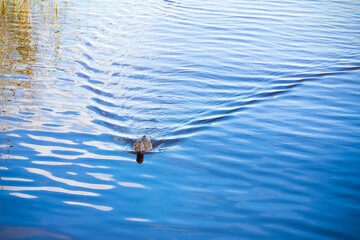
column 252, row 108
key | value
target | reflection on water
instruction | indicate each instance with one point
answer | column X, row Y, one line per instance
column 19, row 60
column 9, row 232
column 251, row 108
column 18, row 49
column 17, row 56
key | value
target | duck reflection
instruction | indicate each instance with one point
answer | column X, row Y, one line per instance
column 140, row 158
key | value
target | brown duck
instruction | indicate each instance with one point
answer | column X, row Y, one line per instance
column 143, row 144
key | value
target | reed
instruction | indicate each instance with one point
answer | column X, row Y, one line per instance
column 3, row 7
column 4, row 4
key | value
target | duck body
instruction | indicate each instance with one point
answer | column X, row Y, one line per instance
column 143, row 144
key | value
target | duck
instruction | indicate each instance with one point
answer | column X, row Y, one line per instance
column 143, row 144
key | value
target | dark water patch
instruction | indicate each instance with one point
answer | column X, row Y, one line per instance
column 87, row 43
column 105, row 103
column 47, row 109
column 170, row 1
column 88, row 56
column 287, row 86
column 27, row 113
column 97, row 91
column 51, row 125
column 139, row 77
column 350, row 68
column 82, row 75
column 121, row 64
column 13, row 119
column 116, row 74
column 69, row 113
column 210, row 120
column 336, row 71
column 87, row 77
column 87, row 67
column 95, row 81
column 269, row 94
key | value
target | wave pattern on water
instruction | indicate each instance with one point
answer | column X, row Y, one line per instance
column 251, row 108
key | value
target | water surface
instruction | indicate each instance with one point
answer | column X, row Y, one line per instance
column 252, row 108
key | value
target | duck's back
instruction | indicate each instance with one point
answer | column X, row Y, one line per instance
column 142, row 144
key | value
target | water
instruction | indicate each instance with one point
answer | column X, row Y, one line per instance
column 252, row 107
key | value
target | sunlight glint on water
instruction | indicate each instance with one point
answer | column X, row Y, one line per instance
column 252, row 108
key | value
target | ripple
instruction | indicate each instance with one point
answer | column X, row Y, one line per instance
column 16, row 179
column 23, row 195
column 252, row 108
column 131, row 185
column 53, row 163
column 138, row 219
column 68, row 181
column 102, row 176
column 49, row 189
column 80, row 153
column 51, row 139
column 99, row 145
column 17, row 157
column 98, row 207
